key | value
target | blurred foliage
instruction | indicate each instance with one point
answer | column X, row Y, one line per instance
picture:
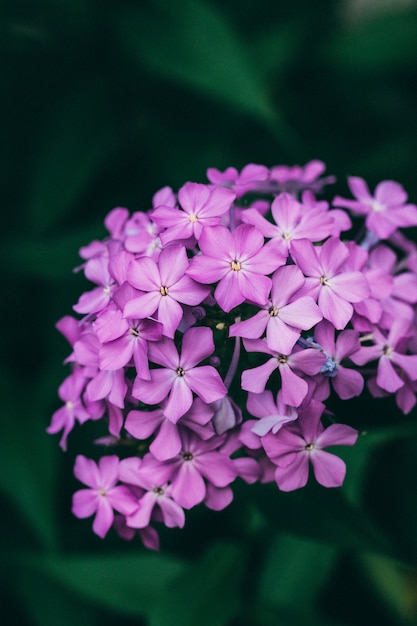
column 104, row 103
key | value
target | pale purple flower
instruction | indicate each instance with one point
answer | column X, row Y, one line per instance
column 156, row 493
column 201, row 206
column 390, row 354
column 167, row 442
column 294, row 388
column 179, row 377
column 97, row 271
column 285, row 314
column 198, row 462
column 247, row 180
column 326, row 280
column 165, row 286
column 292, row 221
column 103, row 494
column 272, row 414
column 70, row 392
column 385, row 211
column 347, row 382
column 303, row 441
column 239, row 261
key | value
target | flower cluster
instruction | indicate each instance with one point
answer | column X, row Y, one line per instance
column 220, row 322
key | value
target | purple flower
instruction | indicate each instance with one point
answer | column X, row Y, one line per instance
column 103, row 494
column 285, row 314
column 327, row 282
column 201, row 206
column 272, row 414
column 302, row 441
column 239, row 260
column 385, row 211
column 180, row 377
column 294, row 388
column 166, row 285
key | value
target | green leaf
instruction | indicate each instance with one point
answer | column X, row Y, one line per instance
column 29, row 460
column 324, row 515
column 76, row 143
column 130, row 584
column 192, row 43
column 207, row 593
column 295, row 568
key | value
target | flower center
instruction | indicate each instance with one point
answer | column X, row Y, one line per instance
column 134, row 332
column 163, row 290
column 235, row 265
column 286, row 236
column 324, row 280
column 309, row 447
column 193, row 218
column 180, row 371
column 282, row 358
column 69, row 405
column 158, row 491
column 386, row 350
column 102, row 492
column 187, row 456
column 273, row 311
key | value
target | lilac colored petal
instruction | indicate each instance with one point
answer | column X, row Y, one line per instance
column 172, row 262
column 247, row 469
column 387, row 377
column 180, row 399
column 100, row 386
column 197, row 345
column 206, row 382
column 104, row 517
column 285, row 210
column 143, row 274
column 334, row 308
column 217, row 242
column 116, row 354
column 216, row 467
column 333, row 253
column 142, row 424
column 261, row 404
column 254, row 287
column 164, row 353
column 92, row 301
column 308, row 361
column 251, row 328
column 267, row 260
column 329, row 469
column 140, row 358
column 108, row 467
column 351, row 286
column 149, row 537
column 170, row 217
column 253, row 217
column 141, row 518
column 227, row 293
column 110, row 325
column 347, row 383
column 407, row 362
column 172, row 513
column 390, row 193
column 359, row 188
column 155, row 390
column 122, row 500
column 305, row 256
column 87, row 472
column 294, row 476
column 337, row 435
column 257, row 345
column 207, row 269
column 188, row 487
column 271, row 422
column 302, row 313
column 248, row 240
column 167, row 444
column 143, row 306
column 187, row 291
column 279, row 336
column 255, row 379
column 294, row 389
column 286, row 281
column 218, row 498
column 170, row 314
column 84, row 503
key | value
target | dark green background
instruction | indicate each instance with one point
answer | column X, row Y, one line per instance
column 102, row 104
